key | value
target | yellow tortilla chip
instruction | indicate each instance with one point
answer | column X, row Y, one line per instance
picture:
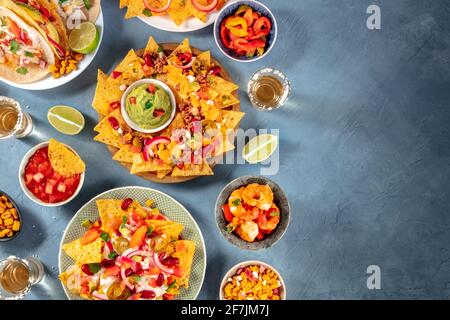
column 147, row 166
column 224, row 147
column 193, row 170
column 162, row 173
column 88, row 253
column 107, row 134
column 183, row 47
column 152, row 47
column 205, row 58
column 124, row 154
column 64, row 161
column 135, row 8
column 106, row 92
column 178, row 11
column 197, row 13
column 229, row 100
column 123, row 3
column 131, row 69
column 231, row 119
column 221, row 85
column 183, row 250
column 110, row 213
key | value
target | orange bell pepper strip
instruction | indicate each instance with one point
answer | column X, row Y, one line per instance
column 138, row 237
column 90, row 235
column 237, row 26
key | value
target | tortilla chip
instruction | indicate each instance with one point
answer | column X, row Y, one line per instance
column 107, row 134
column 183, row 47
column 64, row 161
column 106, row 92
column 229, row 100
column 162, row 173
column 88, row 253
column 124, row 154
column 196, row 13
column 152, row 47
column 147, row 166
column 183, row 250
column 110, row 213
column 131, row 69
column 231, row 119
column 223, row 86
column 123, row 3
column 178, row 11
column 193, row 170
column 224, row 147
column 135, row 8
column 205, row 58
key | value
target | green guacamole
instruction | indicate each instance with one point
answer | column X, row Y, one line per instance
column 148, row 110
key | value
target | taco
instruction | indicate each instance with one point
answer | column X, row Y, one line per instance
column 24, row 54
column 74, row 12
column 42, row 15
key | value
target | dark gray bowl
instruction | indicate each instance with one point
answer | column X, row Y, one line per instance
column 280, row 200
column 18, row 213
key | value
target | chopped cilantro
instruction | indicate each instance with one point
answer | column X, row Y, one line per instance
column 172, row 284
column 149, row 231
column 29, row 54
column 112, row 255
column 14, row 46
column 274, row 213
column 3, row 23
column 159, row 49
column 22, row 70
column 148, row 105
column 124, row 222
column 104, row 236
column 147, row 12
column 87, row 4
column 236, row 202
column 94, row 267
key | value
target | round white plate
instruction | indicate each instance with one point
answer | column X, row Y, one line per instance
column 167, row 24
column 49, row 82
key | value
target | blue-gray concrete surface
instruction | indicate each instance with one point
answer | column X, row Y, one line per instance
column 364, row 149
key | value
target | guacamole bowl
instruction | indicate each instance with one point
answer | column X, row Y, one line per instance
column 148, row 105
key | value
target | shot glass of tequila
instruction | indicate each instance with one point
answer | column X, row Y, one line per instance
column 18, row 275
column 13, row 121
column 268, row 89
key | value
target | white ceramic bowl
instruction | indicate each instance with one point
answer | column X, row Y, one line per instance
column 141, row 82
column 28, row 193
column 244, row 264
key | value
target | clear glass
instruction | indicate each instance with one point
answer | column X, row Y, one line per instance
column 13, row 121
column 17, row 276
column 268, row 89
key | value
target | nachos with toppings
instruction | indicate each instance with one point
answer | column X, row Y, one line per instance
column 178, row 10
column 202, row 128
column 132, row 252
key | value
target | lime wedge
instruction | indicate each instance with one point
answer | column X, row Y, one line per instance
column 66, row 119
column 85, row 38
column 260, row 148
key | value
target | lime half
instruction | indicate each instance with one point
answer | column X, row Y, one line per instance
column 260, row 148
column 84, row 39
column 66, row 119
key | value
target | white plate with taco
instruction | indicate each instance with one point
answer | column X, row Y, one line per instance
column 47, row 43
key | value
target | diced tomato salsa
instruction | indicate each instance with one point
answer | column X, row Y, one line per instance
column 46, row 184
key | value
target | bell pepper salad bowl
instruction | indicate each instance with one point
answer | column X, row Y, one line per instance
column 252, row 212
column 42, row 184
column 245, row 31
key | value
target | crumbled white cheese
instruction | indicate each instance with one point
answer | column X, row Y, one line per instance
column 191, row 78
column 123, row 87
column 210, row 103
column 255, row 274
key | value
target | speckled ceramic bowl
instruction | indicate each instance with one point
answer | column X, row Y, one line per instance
column 229, row 10
column 280, row 200
column 244, row 264
column 5, row 239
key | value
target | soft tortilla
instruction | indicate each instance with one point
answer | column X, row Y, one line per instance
column 7, row 71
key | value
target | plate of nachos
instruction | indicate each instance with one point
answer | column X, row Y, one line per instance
column 202, row 128
column 174, row 15
column 132, row 243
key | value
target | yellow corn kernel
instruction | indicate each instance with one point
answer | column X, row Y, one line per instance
column 149, row 203
column 8, row 221
column 14, row 213
column 6, row 215
column 4, row 198
column 1, row 221
column 10, row 233
column 2, row 210
column 16, row 226
column 63, row 63
column 9, row 205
